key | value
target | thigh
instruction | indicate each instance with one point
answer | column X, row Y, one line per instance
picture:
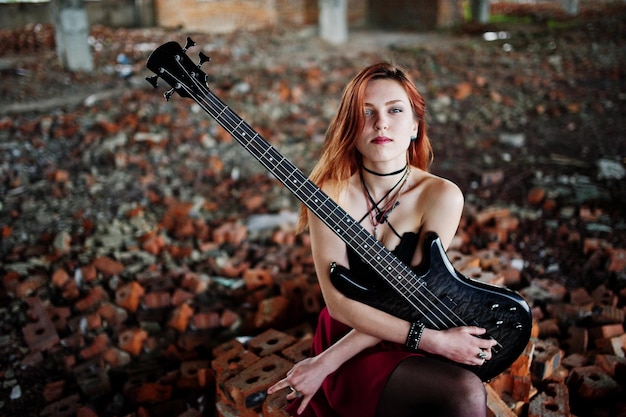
column 432, row 387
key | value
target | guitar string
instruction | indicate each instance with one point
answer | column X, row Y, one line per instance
column 211, row 107
column 234, row 122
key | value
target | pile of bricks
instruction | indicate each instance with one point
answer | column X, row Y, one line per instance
column 154, row 344
column 575, row 359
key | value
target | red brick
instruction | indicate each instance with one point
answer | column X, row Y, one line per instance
column 180, row 317
column 229, row 363
column 298, row 351
column 59, row 316
column 205, row 320
column 180, row 296
column 132, row 340
column 580, row 297
column 606, row 331
column 257, row 278
column 495, row 406
column 85, row 412
column 592, row 383
column 66, row 407
column 612, row 345
column 553, row 402
column 269, row 342
column 153, row 393
column 92, row 379
column 248, row 389
column 607, row 315
column 229, row 346
column 115, row 316
column 192, row 374
column 107, row 266
column 604, row 296
column 578, row 340
column 129, row 296
column 93, row 299
column 159, row 299
column 547, row 358
column 60, row 277
column 272, row 312
column 274, row 405
column 98, row 346
column 613, row 365
column 617, row 261
column 88, row 273
column 115, row 357
column 194, row 283
column 313, row 300
column 522, row 365
column 40, row 334
column 53, row 390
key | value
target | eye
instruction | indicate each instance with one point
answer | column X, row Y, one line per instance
column 396, row 110
column 368, row 112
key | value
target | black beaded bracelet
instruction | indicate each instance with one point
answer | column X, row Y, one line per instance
column 415, row 335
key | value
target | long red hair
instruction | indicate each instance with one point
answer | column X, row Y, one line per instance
column 340, row 159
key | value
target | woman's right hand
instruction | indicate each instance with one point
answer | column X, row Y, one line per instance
column 305, row 378
column 459, row 344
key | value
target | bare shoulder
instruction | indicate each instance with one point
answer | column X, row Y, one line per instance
column 440, row 190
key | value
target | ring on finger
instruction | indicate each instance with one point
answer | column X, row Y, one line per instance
column 295, row 392
column 482, row 355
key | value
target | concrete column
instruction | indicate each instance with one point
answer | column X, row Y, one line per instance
column 480, row 11
column 333, row 21
column 72, row 33
column 570, row 7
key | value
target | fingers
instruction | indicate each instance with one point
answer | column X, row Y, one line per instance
column 278, row 386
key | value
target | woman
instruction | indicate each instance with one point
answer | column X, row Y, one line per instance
column 374, row 164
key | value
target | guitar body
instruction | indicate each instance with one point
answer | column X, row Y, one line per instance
column 435, row 293
column 504, row 313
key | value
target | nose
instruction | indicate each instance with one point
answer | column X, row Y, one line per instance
column 381, row 123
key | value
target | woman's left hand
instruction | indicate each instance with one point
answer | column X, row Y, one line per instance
column 303, row 380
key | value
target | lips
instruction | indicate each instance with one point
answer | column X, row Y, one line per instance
column 381, row 139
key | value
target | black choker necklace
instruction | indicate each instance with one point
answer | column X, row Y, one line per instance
column 388, row 174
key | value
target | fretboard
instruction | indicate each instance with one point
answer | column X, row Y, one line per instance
column 389, row 267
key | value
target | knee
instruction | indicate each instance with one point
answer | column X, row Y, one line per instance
column 468, row 385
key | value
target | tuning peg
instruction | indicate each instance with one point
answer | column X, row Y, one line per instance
column 203, row 59
column 188, row 44
column 168, row 94
column 153, row 80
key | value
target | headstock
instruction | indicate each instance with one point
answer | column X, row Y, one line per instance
column 171, row 63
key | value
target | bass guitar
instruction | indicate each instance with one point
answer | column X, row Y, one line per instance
column 434, row 293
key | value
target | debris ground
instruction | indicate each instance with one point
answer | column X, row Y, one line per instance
column 136, row 236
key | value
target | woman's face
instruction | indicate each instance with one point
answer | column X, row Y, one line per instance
column 389, row 125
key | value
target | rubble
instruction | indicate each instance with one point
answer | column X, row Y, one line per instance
column 149, row 267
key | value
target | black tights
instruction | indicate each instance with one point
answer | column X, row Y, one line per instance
column 428, row 387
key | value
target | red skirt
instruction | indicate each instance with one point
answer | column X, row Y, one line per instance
column 355, row 388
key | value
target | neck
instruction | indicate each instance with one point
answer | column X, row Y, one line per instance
column 386, row 174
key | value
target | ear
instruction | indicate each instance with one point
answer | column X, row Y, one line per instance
column 416, row 125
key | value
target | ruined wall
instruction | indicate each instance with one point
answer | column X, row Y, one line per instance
column 414, row 14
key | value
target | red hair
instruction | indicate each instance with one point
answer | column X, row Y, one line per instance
column 340, row 159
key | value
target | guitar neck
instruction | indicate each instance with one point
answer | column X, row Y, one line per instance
column 337, row 219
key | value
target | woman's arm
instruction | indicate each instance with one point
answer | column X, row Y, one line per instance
column 307, row 375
